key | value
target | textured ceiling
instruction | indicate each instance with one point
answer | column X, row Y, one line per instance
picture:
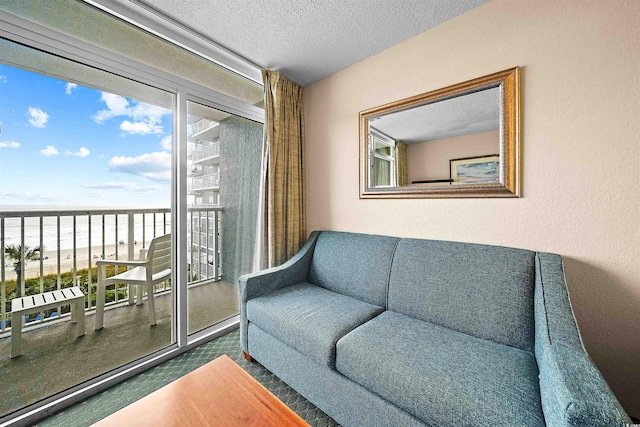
column 307, row 40
column 464, row 115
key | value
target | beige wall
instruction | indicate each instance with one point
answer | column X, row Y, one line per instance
column 430, row 159
column 581, row 136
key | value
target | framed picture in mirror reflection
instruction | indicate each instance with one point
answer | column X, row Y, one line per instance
column 475, row 170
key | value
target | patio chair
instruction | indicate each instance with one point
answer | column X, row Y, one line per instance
column 154, row 269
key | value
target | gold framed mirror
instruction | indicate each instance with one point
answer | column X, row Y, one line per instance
column 458, row 141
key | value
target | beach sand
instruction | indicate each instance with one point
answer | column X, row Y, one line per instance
column 50, row 263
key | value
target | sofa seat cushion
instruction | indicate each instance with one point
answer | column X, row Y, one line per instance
column 442, row 377
column 309, row 318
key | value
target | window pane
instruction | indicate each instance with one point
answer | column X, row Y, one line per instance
column 382, row 148
column 382, row 172
column 85, row 176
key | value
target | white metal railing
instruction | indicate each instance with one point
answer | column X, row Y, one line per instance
column 64, row 245
column 207, row 198
column 210, row 180
column 205, row 151
column 205, row 244
column 200, row 126
column 72, row 240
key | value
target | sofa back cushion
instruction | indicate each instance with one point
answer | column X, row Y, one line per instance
column 356, row 265
column 483, row 291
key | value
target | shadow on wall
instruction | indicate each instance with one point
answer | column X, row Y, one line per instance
column 608, row 316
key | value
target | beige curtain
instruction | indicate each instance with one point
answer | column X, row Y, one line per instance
column 402, row 174
column 282, row 218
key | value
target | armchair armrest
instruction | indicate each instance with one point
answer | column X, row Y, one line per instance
column 572, row 390
column 294, row 271
column 118, row 262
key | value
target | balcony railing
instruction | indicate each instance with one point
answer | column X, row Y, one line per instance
column 58, row 249
column 207, row 181
column 205, row 239
column 200, row 126
column 206, row 150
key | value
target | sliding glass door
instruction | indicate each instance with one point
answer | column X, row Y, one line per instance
column 85, row 184
column 100, row 157
column 223, row 166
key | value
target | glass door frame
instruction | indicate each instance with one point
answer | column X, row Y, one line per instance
column 245, row 111
column 36, row 36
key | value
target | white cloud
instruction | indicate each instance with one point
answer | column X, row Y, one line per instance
column 146, row 117
column 96, row 195
column 38, row 117
column 122, row 185
column 70, row 87
column 147, row 188
column 50, row 150
column 140, row 128
column 83, row 152
column 166, row 142
column 3, row 79
column 116, row 106
column 32, row 198
column 153, row 166
column 113, row 185
column 142, row 111
column 9, row 144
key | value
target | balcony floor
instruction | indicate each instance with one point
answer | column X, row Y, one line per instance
column 53, row 360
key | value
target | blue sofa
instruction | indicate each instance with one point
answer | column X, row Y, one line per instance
column 384, row 331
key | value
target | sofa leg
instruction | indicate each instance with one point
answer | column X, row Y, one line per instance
column 247, row 356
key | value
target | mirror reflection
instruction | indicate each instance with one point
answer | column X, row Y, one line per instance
column 462, row 139
column 417, row 146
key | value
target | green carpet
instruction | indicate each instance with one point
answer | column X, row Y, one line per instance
column 109, row 401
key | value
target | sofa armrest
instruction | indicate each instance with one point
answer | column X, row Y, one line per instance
column 294, row 271
column 572, row 390
column 253, row 285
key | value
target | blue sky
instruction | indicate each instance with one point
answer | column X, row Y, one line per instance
column 69, row 145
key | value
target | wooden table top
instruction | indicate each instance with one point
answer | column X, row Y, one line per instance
column 219, row 393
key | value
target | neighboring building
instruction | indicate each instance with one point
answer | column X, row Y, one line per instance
column 203, row 136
